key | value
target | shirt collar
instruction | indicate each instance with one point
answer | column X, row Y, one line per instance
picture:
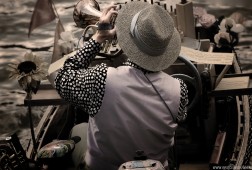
column 131, row 64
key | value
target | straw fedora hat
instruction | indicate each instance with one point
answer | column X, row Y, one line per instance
column 147, row 35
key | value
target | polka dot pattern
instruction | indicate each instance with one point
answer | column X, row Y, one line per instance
column 81, row 85
column 84, row 86
column 182, row 114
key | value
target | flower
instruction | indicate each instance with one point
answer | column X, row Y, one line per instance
column 229, row 24
column 67, row 41
column 228, row 33
column 207, row 20
column 28, row 72
column 222, row 39
column 238, row 17
column 199, row 12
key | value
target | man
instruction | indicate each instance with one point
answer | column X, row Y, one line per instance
column 135, row 106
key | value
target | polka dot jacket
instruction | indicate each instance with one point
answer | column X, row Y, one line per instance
column 84, row 86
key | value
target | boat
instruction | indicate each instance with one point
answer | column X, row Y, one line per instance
column 215, row 135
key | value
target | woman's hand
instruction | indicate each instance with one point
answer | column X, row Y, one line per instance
column 105, row 30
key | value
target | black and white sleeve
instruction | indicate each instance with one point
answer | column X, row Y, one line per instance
column 182, row 113
column 80, row 84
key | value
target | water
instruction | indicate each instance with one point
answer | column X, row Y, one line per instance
column 14, row 43
column 15, row 17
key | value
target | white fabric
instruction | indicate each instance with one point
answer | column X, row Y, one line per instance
column 77, row 155
column 132, row 117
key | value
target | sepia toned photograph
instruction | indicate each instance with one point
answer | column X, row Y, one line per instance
column 125, row 85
